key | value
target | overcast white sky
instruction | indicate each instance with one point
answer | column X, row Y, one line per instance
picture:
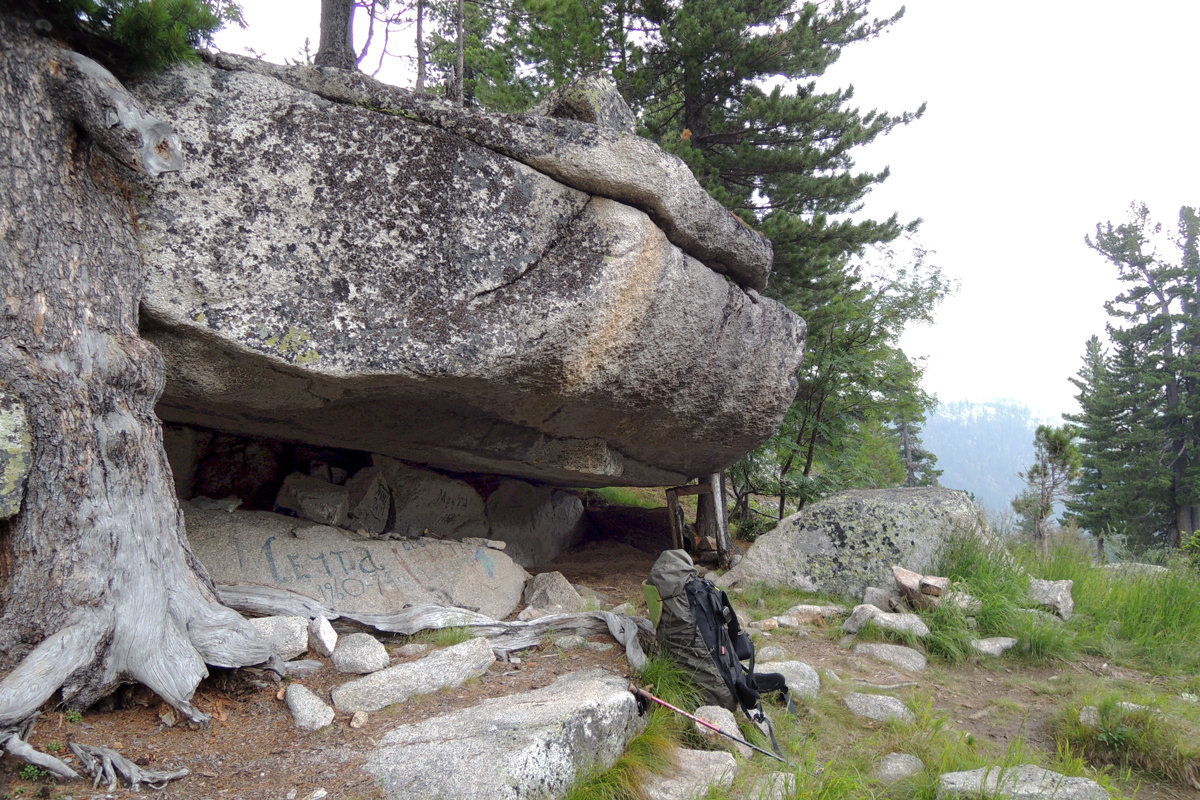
column 1044, row 118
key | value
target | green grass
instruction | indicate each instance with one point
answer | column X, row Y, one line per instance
column 442, row 637
column 637, row 498
column 651, row 752
column 774, row 599
column 1143, row 739
column 670, row 682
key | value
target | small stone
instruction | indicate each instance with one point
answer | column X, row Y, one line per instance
column 412, row 649
column 768, row 624
column 1089, row 716
column 698, row 771
column 322, row 638
column 860, row 616
column 994, row 646
column 933, row 586
column 771, row 653
column 359, row 654
column 570, row 642
column 599, row 646
column 309, row 711
column 722, row 718
column 802, row 680
column 1054, row 595
column 302, row 668
column 1023, row 782
column 967, row 603
column 883, row 599
column 897, row 766
column 549, row 589
column 901, row 623
column 878, row 707
column 529, row 614
column 314, row 499
column 358, row 719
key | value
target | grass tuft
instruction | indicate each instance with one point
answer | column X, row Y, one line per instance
column 652, row 752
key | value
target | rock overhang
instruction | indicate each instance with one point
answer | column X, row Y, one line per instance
column 326, row 272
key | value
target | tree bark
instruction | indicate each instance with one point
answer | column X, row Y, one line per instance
column 336, row 48
column 97, row 582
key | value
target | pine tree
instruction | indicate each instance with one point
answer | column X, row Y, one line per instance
column 1153, row 491
column 1048, row 480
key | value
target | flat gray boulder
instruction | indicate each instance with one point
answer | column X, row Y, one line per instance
column 349, row 573
column 897, row 655
column 846, row 542
column 533, row 744
column 802, row 680
column 352, row 265
column 695, row 773
column 441, row 669
column 994, row 645
column 1024, row 782
column 535, row 522
column 878, row 707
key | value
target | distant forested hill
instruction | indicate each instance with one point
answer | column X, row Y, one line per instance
column 981, row 447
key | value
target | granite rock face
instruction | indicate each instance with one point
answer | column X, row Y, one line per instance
column 349, row 266
column 350, row 573
column 846, row 542
column 533, row 744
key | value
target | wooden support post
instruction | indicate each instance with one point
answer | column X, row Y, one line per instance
column 710, row 516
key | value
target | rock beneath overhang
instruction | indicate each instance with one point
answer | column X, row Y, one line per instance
column 349, row 573
column 329, row 273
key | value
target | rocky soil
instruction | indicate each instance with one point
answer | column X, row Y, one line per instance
column 252, row 749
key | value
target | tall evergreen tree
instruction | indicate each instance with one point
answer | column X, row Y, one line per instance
column 1141, row 406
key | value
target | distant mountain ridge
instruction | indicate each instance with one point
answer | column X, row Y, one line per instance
column 981, row 447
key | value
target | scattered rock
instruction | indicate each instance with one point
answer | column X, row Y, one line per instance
column 697, row 772
column 859, row 617
column 1138, row 569
column 896, row 767
column 768, row 624
column 598, row 646
column 901, row 623
column 549, row 590
column 994, row 646
column 883, row 599
column 424, row 501
column 525, row 745
column 968, row 604
column 322, row 638
column 530, row 614
column 878, row 707
column 903, row 657
column 723, row 718
column 570, row 642
column 412, row 649
column 369, row 500
column 1042, row 617
column 309, row 711
column 358, row 719
column 350, row 573
column 1024, row 782
column 846, row 542
column 302, row 669
column 1089, row 716
column 909, row 584
column 536, row 522
column 288, row 635
column 933, row 586
column 449, row 667
column 624, row 610
column 314, row 499
column 769, row 653
column 802, row 680
column 359, row 654
column 1054, row 595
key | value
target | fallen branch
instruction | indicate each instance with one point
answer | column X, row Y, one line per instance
column 14, row 741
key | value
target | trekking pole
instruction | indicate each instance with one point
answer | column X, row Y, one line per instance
column 643, row 694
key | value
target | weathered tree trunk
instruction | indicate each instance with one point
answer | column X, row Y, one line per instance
column 336, row 48
column 97, row 583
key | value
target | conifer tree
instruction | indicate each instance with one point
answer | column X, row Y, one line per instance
column 1048, row 480
column 1140, row 414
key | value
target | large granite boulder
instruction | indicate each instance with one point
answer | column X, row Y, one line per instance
column 844, row 543
column 350, row 573
column 534, row 744
column 345, row 264
column 536, row 522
